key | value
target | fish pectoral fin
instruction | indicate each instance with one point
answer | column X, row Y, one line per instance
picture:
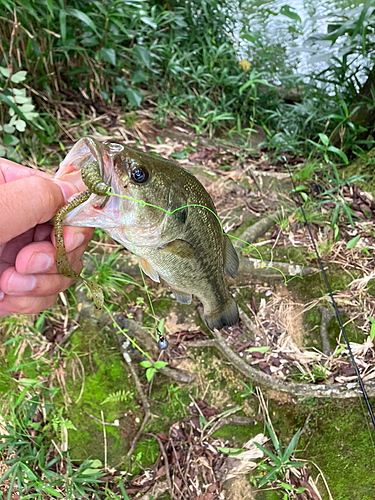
column 182, row 297
column 231, row 261
column 149, row 270
column 181, row 248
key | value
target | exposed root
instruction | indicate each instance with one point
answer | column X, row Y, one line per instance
column 327, row 315
column 342, row 391
column 255, row 231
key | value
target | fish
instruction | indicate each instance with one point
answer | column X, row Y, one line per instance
column 161, row 213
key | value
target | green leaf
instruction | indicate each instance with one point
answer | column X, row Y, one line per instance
column 62, row 17
column 108, row 55
column 268, row 453
column 288, row 11
column 5, row 72
column 161, row 326
column 146, row 364
column 20, row 125
column 134, row 96
column 78, row 14
column 20, row 99
column 324, row 139
column 18, row 77
column 9, row 129
column 149, row 21
column 287, row 486
column 261, row 349
column 352, row 243
column 150, row 373
column 268, row 477
column 160, row 364
column 50, row 7
column 10, row 140
column 372, row 331
column 340, row 153
column 230, row 451
column 52, row 491
column 139, row 77
column 292, row 445
column 142, row 54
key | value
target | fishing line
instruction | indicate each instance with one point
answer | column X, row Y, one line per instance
column 331, row 297
column 143, row 203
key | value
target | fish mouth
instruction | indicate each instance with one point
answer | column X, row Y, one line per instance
column 97, row 211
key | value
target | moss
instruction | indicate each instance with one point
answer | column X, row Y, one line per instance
column 145, row 455
column 104, row 375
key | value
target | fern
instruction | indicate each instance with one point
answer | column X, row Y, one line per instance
column 117, row 397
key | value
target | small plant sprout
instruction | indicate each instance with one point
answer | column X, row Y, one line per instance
column 249, row 389
column 152, row 367
column 281, row 460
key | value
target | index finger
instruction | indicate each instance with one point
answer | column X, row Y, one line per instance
column 10, row 171
column 29, row 201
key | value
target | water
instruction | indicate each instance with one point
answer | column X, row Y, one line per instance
column 281, row 46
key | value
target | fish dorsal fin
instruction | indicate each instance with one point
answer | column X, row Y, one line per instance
column 149, row 270
column 180, row 248
column 182, row 297
column 231, row 261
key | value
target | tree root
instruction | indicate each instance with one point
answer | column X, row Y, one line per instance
column 257, row 267
column 340, row 391
column 327, row 315
column 252, row 233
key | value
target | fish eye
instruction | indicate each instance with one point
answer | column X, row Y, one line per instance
column 139, row 175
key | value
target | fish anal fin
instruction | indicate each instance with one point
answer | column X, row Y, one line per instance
column 180, row 248
column 149, row 270
column 182, row 297
column 231, row 261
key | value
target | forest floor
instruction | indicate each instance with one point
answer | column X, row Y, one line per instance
column 285, row 364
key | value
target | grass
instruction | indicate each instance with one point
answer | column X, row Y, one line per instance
column 62, row 66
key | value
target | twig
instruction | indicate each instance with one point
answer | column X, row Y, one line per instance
column 105, row 443
column 166, row 464
column 101, row 421
column 124, row 343
column 340, row 391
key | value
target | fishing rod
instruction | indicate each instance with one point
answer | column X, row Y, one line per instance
column 300, row 205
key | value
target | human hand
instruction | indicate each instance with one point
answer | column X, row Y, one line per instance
column 29, row 281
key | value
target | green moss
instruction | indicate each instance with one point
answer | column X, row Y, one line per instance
column 104, row 375
column 145, row 454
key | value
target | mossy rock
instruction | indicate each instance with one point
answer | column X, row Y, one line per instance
column 362, row 166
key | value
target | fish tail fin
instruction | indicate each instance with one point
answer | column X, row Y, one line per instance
column 228, row 316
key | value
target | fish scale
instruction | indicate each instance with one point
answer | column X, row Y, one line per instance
column 187, row 248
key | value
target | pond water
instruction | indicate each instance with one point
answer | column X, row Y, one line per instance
column 280, row 45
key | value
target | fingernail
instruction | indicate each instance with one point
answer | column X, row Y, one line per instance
column 38, row 263
column 67, row 188
column 1, row 295
column 21, row 283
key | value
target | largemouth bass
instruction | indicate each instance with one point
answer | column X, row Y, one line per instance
column 167, row 219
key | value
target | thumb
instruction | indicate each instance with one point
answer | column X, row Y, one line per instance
column 30, row 201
